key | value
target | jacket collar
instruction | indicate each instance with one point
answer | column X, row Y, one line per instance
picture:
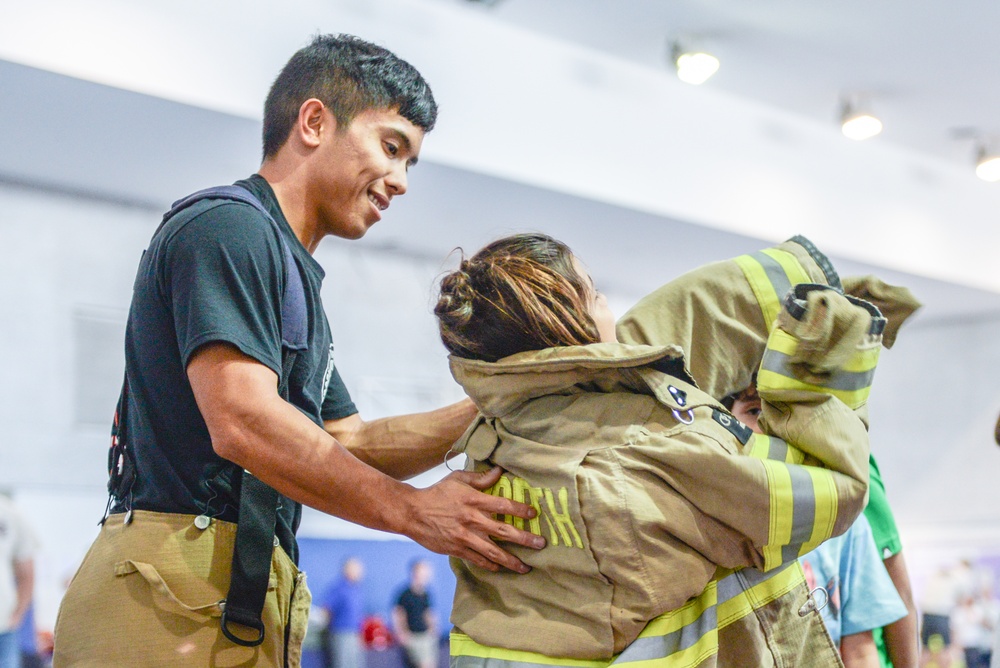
column 500, row 387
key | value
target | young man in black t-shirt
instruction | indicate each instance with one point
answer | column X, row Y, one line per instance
column 343, row 122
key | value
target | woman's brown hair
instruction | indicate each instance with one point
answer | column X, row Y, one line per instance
column 519, row 293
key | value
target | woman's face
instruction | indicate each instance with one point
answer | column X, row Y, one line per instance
column 598, row 304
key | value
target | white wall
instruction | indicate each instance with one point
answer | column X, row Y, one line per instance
column 64, row 257
column 67, row 260
column 933, row 408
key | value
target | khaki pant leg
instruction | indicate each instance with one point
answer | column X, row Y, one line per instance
column 716, row 316
column 147, row 594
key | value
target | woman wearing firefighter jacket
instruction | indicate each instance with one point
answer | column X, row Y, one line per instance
column 673, row 530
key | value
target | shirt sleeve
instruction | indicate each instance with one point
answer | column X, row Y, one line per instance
column 223, row 275
column 337, row 403
column 868, row 596
column 880, row 515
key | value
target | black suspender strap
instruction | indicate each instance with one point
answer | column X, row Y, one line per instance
column 259, row 502
column 255, row 537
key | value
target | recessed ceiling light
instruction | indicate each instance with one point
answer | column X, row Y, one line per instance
column 694, row 67
column 859, row 124
column 988, row 165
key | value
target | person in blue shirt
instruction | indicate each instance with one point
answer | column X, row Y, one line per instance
column 858, row 595
column 344, row 606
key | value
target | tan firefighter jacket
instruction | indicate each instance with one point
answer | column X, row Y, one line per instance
column 644, row 485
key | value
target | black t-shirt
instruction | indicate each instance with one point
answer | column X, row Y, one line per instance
column 216, row 273
column 415, row 606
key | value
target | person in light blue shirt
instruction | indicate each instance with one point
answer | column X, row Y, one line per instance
column 859, row 594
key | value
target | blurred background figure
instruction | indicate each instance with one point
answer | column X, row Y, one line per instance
column 344, row 606
column 31, row 653
column 941, row 594
column 17, row 578
column 973, row 623
column 414, row 619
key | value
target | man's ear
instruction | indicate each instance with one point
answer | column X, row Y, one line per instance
column 313, row 121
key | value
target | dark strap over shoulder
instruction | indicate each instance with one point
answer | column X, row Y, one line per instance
column 255, row 537
column 294, row 317
column 255, row 531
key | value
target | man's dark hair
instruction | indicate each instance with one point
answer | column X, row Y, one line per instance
column 349, row 76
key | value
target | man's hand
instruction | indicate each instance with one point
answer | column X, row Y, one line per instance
column 258, row 430
column 452, row 517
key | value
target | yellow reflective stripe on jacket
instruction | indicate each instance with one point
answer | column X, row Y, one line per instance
column 771, row 273
column 851, row 384
column 762, row 446
column 803, row 508
column 462, row 646
column 826, row 508
column 743, row 591
column 681, row 638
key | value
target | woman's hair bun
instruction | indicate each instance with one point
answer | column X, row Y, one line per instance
column 457, row 294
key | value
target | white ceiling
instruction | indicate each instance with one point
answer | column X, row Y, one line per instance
column 927, row 68
column 561, row 98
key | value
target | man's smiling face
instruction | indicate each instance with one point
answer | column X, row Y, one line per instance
column 361, row 168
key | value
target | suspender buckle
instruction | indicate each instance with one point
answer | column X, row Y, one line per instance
column 249, row 621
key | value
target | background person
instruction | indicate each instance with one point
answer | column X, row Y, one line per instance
column 898, row 643
column 973, row 624
column 344, row 606
column 18, row 546
column 414, row 619
column 860, row 596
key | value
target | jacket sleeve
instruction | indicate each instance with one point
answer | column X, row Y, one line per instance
column 806, row 479
column 761, row 505
column 721, row 313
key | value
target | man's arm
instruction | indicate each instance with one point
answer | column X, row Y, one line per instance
column 252, row 426
column 407, row 445
column 24, row 579
column 858, row 651
column 901, row 636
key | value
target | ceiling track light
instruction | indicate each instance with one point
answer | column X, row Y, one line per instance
column 987, row 151
column 693, row 67
column 858, row 122
column 987, row 163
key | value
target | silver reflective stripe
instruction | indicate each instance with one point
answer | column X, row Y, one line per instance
column 777, row 449
column 803, row 512
column 477, row 662
column 846, row 381
column 775, row 273
column 738, row 582
column 755, row 577
column 660, row 647
column 729, row 588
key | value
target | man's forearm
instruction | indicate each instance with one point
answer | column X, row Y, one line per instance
column 285, row 449
column 407, row 445
column 252, row 426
